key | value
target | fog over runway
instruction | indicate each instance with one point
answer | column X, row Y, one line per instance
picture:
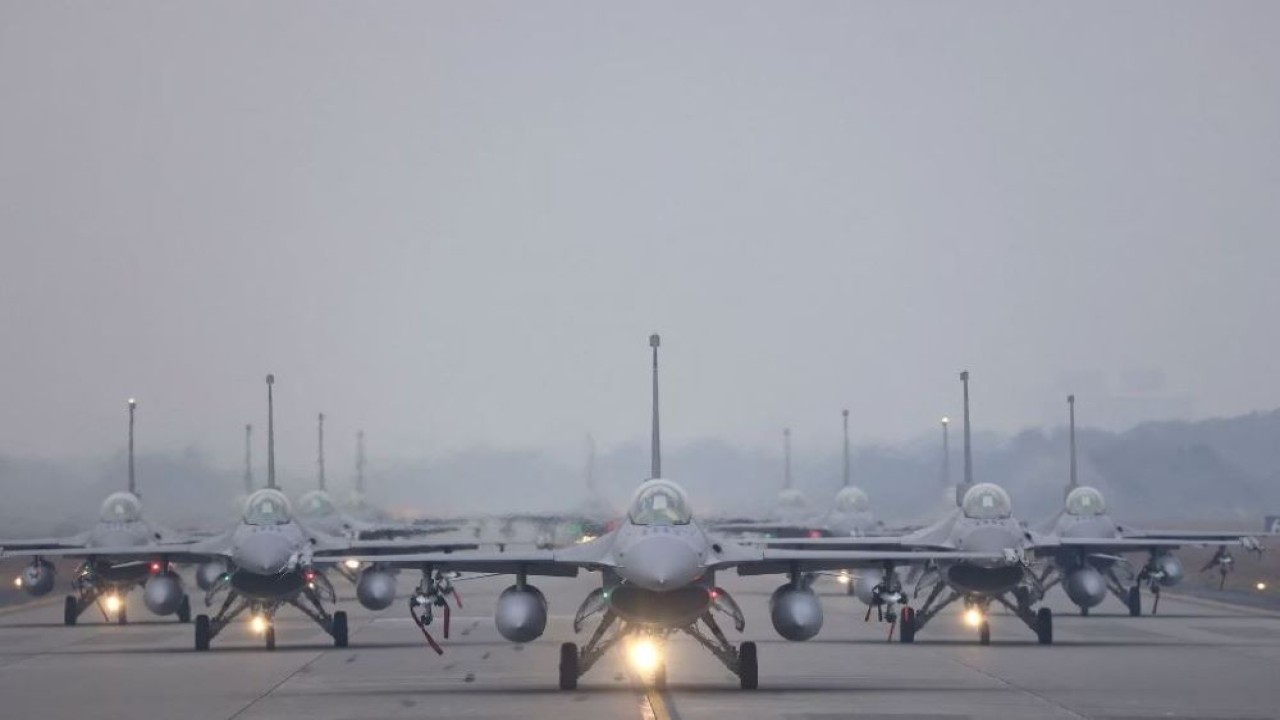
column 1198, row 659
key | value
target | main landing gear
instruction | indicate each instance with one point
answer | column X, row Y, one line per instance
column 742, row 660
column 310, row 601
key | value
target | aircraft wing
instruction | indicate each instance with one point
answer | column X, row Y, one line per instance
column 887, row 543
column 768, row 561
column 563, row 562
column 345, row 549
column 1049, row 545
column 74, row 541
column 1207, row 537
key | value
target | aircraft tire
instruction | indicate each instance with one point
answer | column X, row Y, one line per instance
column 271, row 636
column 202, row 632
column 569, row 666
column 340, row 629
column 1044, row 626
column 660, row 677
column 184, row 609
column 984, row 632
column 1135, row 601
column 907, row 625
column 69, row 611
column 748, row 666
column 122, row 618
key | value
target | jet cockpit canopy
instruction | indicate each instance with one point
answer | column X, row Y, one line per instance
column 986, row 501
column 121, row 507
column 316, row 504
column 267, row 507
column 1086, row 500
column 660, row 502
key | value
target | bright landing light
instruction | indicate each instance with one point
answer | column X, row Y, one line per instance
column 973, row 617
column 258, row 624
column 17, row 582
column 1261, row 586
column 352, row 564
column 113, row 603
column 644, row 655
column 843, row 578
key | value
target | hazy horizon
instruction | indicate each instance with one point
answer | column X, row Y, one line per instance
column 454, row 226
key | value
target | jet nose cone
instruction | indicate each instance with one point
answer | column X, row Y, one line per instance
column 661, row 563
column 263, row 555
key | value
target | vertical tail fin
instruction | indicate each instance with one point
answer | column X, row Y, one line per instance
column 655, row 458
column 360, row 462
column 786, row 458
column 271, row 433
column 133, row 485
column 844, row 475
column 320, row 452
column 968, row 448
column 1072, row 483
column 248, row 459
column 591, row 462
column 946, row 452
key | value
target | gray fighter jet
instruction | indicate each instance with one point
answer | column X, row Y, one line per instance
column 658, row 574
column 103, row 579
column 1087, row 574
column 849, row 514
column 267, row 560
column 983, row 522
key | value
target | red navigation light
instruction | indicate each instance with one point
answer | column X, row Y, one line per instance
column 310, row 575
column 713, row 593
column 156, row 566
column 815, row 533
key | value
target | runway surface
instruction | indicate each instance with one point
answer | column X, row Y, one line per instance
column 1198, row 659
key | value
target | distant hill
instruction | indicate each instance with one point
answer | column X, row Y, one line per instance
column 1186, row 472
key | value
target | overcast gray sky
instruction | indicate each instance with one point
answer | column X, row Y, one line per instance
column 455, row 224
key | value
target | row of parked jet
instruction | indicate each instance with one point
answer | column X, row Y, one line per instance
column 659, row 568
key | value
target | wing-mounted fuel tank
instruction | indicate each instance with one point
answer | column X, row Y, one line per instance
column 208, row 574
column 1085, row 586
column 376, row 588
column 865, row 582
column 163, row 593
column 1167, row 569
column 37, row 578
column 521, row 615
column 796, row 612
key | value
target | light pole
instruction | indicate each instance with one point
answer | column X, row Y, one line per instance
column 133, row 488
